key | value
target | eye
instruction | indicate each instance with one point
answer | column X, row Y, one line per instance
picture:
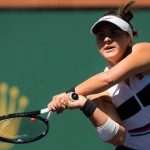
column 115, row 33
column 100, row 35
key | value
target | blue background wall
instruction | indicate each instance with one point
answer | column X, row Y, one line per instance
column 44, row 52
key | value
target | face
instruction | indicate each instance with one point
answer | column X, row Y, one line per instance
column 112, row 42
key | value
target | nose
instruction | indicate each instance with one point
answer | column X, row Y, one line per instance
column 107, row 40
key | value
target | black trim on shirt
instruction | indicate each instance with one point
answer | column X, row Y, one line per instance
column 128, row 108
column 144, row 95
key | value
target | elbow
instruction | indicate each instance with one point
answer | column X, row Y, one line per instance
column 119, row 138
column 120, row 141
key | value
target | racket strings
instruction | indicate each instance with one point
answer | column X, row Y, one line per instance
column 9, row 127
column 22, row 128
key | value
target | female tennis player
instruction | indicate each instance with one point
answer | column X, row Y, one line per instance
column 116, row 100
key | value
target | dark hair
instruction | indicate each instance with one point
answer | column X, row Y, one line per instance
column 125, row 13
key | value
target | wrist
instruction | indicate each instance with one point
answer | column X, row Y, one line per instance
column 71, row 90
column 83, row 101
column 88, row 108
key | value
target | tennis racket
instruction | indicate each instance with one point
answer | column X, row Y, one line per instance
column 25, row 127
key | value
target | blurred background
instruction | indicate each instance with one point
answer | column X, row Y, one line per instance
column 45, row 48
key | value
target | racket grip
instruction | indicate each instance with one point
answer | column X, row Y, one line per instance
column 74, row 96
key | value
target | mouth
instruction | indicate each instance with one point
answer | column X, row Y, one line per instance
column 109, row 47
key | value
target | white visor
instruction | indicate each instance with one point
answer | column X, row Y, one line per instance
column 114, row 20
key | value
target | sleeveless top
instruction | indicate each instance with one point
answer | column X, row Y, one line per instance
column 133, row 106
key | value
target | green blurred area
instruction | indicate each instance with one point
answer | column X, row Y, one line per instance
column 45, row 52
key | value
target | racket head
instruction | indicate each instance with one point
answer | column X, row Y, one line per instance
column 20, row 128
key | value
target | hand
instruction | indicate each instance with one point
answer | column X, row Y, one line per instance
column 58, row 103
column 75, row 104
column 63, row 101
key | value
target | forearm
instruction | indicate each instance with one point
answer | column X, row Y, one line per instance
column 119, row 138
column 98, row 118
column 115, row 131
column 133, row 64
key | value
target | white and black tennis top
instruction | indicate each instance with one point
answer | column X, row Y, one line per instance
column 133, row 106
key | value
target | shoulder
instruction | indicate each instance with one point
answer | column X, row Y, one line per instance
column 144, row 46
column 142, row 51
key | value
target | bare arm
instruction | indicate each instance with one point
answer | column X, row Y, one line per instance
column 136, row 62
column 106, row 108
column 97, row 121
column 98, row 117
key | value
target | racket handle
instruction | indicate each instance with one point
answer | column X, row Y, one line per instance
column 74, row 96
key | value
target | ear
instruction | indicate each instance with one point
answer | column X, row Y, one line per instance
column 131, row 42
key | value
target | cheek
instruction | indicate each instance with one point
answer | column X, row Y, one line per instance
column 123, row 47
column 100, row 49
column 99, row 44
column 103, row 53
column 125, row 41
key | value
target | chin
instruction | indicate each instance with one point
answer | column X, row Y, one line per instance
column 111, row 58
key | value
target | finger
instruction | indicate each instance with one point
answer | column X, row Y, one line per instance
column 51, row 107
column 61, row 109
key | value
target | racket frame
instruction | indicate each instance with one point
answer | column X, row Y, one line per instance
column 31, row 114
